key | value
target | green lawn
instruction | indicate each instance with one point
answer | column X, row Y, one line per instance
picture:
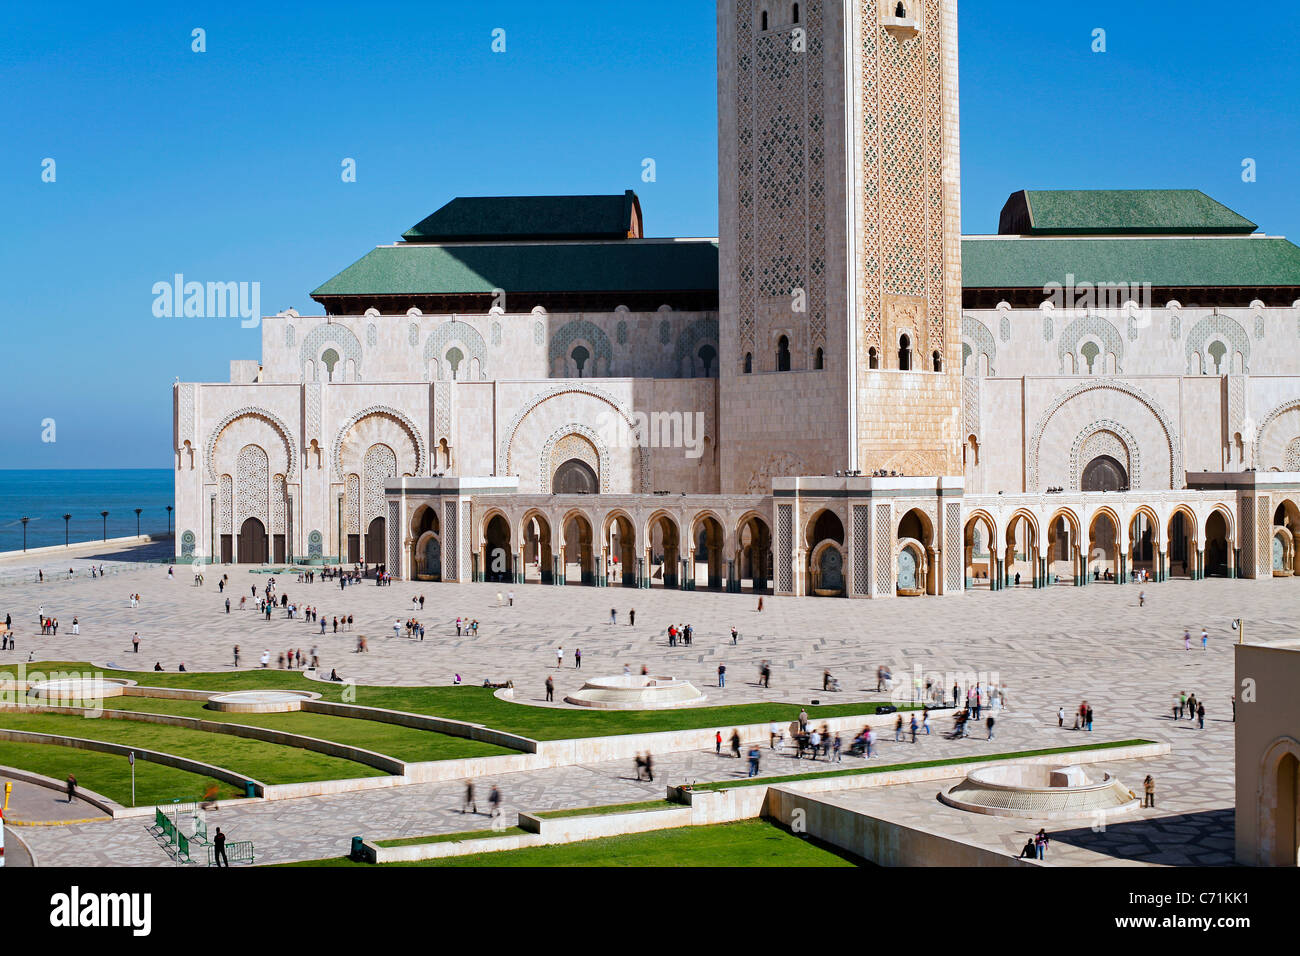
column 749, row 843
column 404, row 743
column 110, row 775
column 267, row 762
column 920, row 764
column 479, row 706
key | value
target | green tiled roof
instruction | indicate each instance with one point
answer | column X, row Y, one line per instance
column 1177, row 262
column 1090, row 212
column 629, row 266
column 516, row 218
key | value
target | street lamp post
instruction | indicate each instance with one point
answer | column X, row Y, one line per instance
column 169, row 521
column 137, row 521
column 104, row 515
column 24, row 521
column 66, row 519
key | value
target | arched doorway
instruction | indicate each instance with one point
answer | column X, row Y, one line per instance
column 1285, row 849
column 824, row 540
column 538, row 558
column 707, row 535
column 575, row 477
column 578, row 562
column 1104, row 473
column 252, row 542
column 1103, row 548
column 663, row 544
column 915, row 555
column 620, row 543
column 1020, row 560
column 426, row 555
column 1218, row 548
column 1065, row 559
column 498, row 561
column 1286, row 526
column 376, row 548
column 1182, row 544
column 980, row 565
column 1143, row 536
column 754, row 561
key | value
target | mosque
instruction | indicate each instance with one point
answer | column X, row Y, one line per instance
column 840, row 395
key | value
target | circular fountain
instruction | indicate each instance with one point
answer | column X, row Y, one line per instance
column 633, row 692
column 1039, row 791
column 260, row 701
column 79, row 688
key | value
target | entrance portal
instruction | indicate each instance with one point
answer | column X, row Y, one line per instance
column 375, row 549
column 252, row 542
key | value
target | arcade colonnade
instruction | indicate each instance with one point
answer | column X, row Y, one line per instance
column 837, row 537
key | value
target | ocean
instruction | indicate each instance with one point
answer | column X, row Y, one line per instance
column 45, row 496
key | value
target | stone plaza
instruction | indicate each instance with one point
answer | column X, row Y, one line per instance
column 1048, row 648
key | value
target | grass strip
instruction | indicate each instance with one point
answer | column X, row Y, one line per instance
column 109, row 775
column 270, row 763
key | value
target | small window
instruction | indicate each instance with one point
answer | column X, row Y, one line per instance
column 580, row 357
column 938, row 362
column 905, row 354
column 329, row 359
column 708, row 355
column 796, row 13
column 873, row 358
column 762, row 22
column 783, row 355
column 749, row 362
column 819, row 360
column 454, row 358
column 901, row 12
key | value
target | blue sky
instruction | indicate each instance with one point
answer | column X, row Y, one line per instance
column 225, row 165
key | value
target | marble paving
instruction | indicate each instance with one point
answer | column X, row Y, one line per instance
column 1048, row 648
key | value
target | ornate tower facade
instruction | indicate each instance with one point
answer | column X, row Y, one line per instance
column 840, row 233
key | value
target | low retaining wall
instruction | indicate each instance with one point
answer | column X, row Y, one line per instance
column 593, row 826
column 437, row 851
column 883, row 842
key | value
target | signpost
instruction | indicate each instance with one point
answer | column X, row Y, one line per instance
column 1239, row 625
column 131, row 760
column 9, row 788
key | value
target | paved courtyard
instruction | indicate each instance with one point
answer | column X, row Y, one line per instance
column 1049, row 649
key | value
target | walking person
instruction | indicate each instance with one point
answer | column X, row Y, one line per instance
column 1060, row 717
column 631, row 618
column 613, row 615
column 470, row 804
column 1142, row 599
column 135, row 643
column 550, row 689
column 753, row 761
column 1205, row 639
column 494, row 801
column 236, row 655
column 577, row 659
column 1040, row 843
column 72, row 788
column 559, row 656
column 1149, row 786
column 1187, row 640
column 735, row 635
column 722, row 675
column 912, row 727
column 717, row 743
column 1200, row 715
column 988, row 722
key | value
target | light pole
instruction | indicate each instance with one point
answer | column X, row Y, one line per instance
column 104, row 515
column 24, row 521
column 169, row 521
column 66, row 519
column 137, row 521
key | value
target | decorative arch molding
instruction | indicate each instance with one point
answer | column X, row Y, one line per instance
column 504, row 462
column 1269, row 419
column 601, row 463
column 698, row 333
column 315, row 341
column 1171, row 434
column 290, row 446
column 1218, row 326
column 1131, row 456
column 977, row 335
column 455, row 332
column 421, row 452
column 581, row 330
column 1266, row 844
column 1091, row 326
